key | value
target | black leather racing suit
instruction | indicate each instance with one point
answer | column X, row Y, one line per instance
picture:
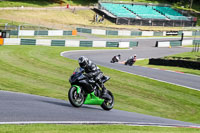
column 130, row 61
column 92, row 71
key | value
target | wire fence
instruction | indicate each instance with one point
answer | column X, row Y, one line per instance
column 196, row 47
column 196, row 44
column 155, row 22
column 13, row 26
column 6, row 26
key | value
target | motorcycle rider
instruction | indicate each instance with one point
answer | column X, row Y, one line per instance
column 116, row 58
column 131, row 60
column 92, row 71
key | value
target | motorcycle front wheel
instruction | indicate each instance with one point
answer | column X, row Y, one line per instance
column 76, row 99
column 108, row 104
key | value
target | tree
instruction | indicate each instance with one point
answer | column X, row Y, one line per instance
column 191, row 3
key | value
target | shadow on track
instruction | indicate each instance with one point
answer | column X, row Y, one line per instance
column 66, row 104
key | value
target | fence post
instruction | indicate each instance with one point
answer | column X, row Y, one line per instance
column 117, row 21
column 6, row 26
column 182, row 35
column 18, row 31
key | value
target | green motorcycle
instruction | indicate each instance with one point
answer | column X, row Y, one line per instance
column 86, row 91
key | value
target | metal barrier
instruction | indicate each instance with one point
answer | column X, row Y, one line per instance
column 155, row 22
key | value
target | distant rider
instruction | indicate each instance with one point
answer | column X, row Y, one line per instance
column 116, row 58
column 131, row 60
column 92, row 71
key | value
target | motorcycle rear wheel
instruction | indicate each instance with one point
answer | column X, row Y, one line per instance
column 108, row 104
column 75, row 99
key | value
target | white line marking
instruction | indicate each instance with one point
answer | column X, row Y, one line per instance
column 72, row 51
column 171, row 71
column 62, row 53
column 99, row 123
column 157, row 79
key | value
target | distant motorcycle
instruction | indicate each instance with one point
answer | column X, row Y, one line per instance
column 116, row 58
column 86, row 91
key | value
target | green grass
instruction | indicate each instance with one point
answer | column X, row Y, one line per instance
column 52, row 37
column 9, row 22
column 50, row 128
column 42, row 71
column 59, row 19
column 193, row 56
column 188, row 46
column 13, row 25
column 116, row 36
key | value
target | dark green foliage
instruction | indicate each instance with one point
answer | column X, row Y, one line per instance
column 37, row 2
column 49, row 2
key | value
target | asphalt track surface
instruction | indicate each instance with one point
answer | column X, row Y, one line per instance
column 146, row 49
column 19, row 108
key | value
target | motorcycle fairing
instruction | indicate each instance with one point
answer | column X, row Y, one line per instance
column 91, row 99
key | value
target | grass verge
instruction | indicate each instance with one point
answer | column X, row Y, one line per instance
column 191, row 56
column 49, row 128
column 51, row 37
column 13, row 25
column 50, row 3
column 195, row 56
column 116, row 36
column 40, row 70
column 66, row 19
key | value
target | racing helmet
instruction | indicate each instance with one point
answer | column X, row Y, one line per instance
column 83, row 62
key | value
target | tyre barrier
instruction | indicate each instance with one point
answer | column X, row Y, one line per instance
column 176, row 43
column 42, row 33
column 69, row 43
column 1, row 41
column 101, row 32
column 179, row 63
